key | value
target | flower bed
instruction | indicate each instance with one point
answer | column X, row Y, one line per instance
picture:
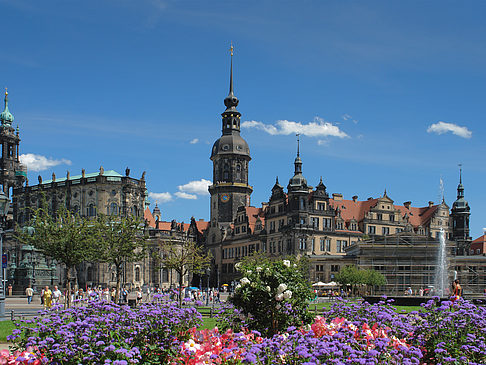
column 349, row 333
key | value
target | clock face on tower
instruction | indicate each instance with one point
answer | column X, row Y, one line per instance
column 224, row 198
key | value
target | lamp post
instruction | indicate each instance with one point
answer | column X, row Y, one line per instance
column 4, row 205
column 208, row 271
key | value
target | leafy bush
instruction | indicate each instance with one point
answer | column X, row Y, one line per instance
column 272, row 295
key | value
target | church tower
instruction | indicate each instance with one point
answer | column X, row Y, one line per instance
column 230, row 156
column 14, row 174
column 460, row 220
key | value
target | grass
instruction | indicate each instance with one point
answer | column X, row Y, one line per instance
column 6, row 328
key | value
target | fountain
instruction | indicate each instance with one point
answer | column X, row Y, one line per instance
column 440, row 280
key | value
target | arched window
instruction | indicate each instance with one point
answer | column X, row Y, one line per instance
column 114, row 209
column 135, row 211
column 137, row 273
column 91, row 210
column 226, row 173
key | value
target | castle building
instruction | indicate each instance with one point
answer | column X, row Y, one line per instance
column 331, row 231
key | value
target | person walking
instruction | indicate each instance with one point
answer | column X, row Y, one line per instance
column 457, row 289
column 30, row 293
column 56, row 295
column 47, row 296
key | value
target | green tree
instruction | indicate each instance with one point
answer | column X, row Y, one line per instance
column 373, row 279
column 64, row 236
column 184, row 256
column 120, row 240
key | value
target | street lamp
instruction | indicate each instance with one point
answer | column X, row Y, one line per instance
column 208, row 271
column 4, row 205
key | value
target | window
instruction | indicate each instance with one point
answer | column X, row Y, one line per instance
column 302, row 203
column 91, row 210
column 134, row 211
column 353, row 227
column 237, row 230
column 243, row 228
column 302, row 221
column 339, row 225
column 371, row 229
column 137, row 273
column 340, row 246
column 113, row 209
column 334, row 268
column 322, row 244
column 303, row 243
column 385, row 231
column 379, row 216
column 392, row 217
column 280, row 223
column 328, row 245
column 319, row 267
column 272, row 226
column 315, row 222
column 326, row 223
column 321, row 206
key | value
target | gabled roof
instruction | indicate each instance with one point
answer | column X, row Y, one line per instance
column 253, row 214
column 357, row 209
column 147, row 215
column 480, row 239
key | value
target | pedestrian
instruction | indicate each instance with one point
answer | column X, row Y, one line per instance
column 457, row 289
column 56, row 295
column 9, row 290
column 42, row 296
column 30, row 293
column 139, row 296
column 47, row 297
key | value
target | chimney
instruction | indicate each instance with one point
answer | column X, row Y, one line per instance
column 430, row 204
column 337, row 196
column 355, row 198
column 407, row 204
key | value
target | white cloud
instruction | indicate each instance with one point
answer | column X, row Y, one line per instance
column 194, row 141
column 317, row 128
column 443, row 127
column 39, row 163
column 349, row 117
column 198, row 187
column 323, row 142
column 183, row 195
column 160, row 197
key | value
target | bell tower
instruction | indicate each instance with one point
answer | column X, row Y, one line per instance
column 13, row 174
column 230, row 155
column 460, row 220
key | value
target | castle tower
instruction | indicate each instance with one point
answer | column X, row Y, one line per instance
column 230, row 156
column 14, row 174
column 460, row 220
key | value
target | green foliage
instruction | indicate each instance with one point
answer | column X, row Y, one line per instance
column 183, row 256
column 351, row 275
column 272, row 295
column 119, row 240
column 65, row 236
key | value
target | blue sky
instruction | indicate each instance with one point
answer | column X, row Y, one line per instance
column 386, row 94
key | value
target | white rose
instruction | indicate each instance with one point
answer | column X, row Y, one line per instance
column 258, row 269
column 281, row 288
column 249, row 271
column 295, row 265
column 287, row 294
column 237, row 265
column 268, row 289
column 244, row 281
column 279, row 297
column 267, row 269
column 286, row 263
column 237, row 286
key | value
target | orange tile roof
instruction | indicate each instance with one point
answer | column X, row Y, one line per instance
column 253, row 213
column 480, row 239
column 357, row 209
column 147, row 215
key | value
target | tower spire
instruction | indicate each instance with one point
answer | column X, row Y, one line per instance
column 460, row 173
column 298, row 144
column 231, row 101
column 6, row 117
column 231, row 70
